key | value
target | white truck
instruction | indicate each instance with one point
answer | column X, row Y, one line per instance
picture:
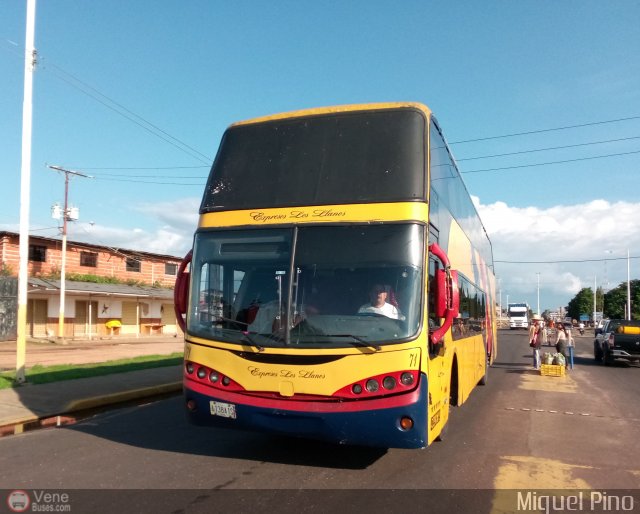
column 518, row 315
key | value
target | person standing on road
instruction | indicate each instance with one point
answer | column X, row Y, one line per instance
column 570, row 346
column 535, row 340
column 562, row 340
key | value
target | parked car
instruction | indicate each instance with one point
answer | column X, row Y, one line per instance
column 617, row 339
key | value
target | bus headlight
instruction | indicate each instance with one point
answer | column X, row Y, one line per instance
column 406, row 379
column 389, row 383
column 372, row 386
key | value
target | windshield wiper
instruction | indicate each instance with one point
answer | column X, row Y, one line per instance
column 247, row 338
column 357, row 341
column 221, row 318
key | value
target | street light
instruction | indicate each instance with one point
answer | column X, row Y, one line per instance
column 65, row 217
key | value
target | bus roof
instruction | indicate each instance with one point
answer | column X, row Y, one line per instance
column 317, row 111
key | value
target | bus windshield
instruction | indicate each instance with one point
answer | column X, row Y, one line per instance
column 313, row 287
column 338, row 158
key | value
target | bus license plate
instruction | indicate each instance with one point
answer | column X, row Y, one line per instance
column 225, row 410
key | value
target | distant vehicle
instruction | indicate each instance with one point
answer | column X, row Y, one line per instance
column 518, row 315
column 617, row 339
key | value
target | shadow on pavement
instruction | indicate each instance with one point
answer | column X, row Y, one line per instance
column 163, row 426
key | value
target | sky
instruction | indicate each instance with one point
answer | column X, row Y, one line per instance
column 138, row 94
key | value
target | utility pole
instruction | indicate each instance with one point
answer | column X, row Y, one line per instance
column 538, row 293
column 25, row 186
column 628, row 287
column 65, row 218
column 595, row 296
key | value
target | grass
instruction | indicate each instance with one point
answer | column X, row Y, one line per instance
column 46, row 374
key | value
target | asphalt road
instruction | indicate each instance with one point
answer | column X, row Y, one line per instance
column 521, row 431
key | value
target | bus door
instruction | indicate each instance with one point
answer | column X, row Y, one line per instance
column 443, row 304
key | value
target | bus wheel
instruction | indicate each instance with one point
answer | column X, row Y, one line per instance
column 453, row 385
column 443, row 432
column 483, row 381
column 453, row 399
column 485, row 378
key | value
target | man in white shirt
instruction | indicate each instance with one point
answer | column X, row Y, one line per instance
column 379, row 305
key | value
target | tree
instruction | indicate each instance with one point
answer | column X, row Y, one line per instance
column 582, row 303
column 615, row 301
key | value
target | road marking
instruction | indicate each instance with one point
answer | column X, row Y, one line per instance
column 570, row 413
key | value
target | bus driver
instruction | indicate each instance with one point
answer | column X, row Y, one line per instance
column 379, row 305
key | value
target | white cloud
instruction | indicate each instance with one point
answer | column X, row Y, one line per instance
column 168, row 229
column 181, row 214
column 596, row 235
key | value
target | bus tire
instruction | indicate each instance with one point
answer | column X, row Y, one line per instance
column 453, row 399
column 443, row 432
column 485, row 378
column 453, row 385
column 597, row 352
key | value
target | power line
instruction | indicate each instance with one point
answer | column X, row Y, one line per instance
column 124, row 111
column 462, row 172
column 142, row 167
column 153, row 182
column 102, row 175
column 568, row 261
column 186, row 146
column 552, row 162
column 543, row 130
column 158, row 132
column 110, row 103
column 547, row 149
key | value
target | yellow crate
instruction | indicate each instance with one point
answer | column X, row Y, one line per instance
column 552, row 370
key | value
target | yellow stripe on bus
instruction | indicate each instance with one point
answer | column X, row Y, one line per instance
column 375, row 212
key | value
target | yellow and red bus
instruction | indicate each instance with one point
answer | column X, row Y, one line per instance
column 340, row 285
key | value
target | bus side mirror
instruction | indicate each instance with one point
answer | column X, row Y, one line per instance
column 181, row 291
column 447, row 295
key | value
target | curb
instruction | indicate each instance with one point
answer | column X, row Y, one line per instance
column 124, row 396
column 69, row 414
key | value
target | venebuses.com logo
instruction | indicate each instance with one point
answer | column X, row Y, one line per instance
column 19, row 500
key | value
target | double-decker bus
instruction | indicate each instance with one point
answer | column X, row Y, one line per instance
column 340, row 285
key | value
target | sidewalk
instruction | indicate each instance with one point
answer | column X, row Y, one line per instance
column 58, row 403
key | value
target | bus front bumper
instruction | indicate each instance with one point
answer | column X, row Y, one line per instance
column 373, row 422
